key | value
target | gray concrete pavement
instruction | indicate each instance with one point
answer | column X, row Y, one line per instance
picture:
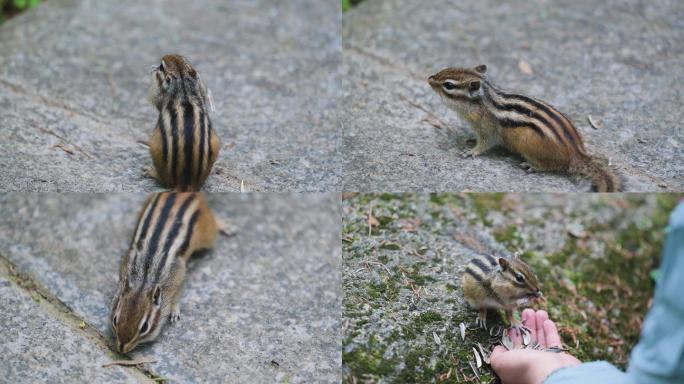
column 618, row 61
column 75, row 73
column 264, row 306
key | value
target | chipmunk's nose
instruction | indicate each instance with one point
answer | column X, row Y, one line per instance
column 539, row 293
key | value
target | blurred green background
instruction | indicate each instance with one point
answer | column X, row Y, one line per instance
column 13, row 7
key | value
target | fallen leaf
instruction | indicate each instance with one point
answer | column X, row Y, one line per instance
column 64, row 147
column 525, row 67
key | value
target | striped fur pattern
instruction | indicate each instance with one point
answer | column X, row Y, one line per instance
column 171, row 227
column 498, row 283
column 535, row 130
column 183, row 145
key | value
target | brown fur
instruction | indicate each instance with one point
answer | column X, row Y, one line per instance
column 556, row 146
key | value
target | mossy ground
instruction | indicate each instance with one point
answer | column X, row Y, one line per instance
column 594, row 255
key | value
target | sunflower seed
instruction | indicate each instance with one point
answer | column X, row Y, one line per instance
column 474, row 368
column 506, row 341
column 526, row 336
column 495, row 331
column 463, row 329
column 555, row 349
column 478, row 359
column 485, row 355
column 437, row 340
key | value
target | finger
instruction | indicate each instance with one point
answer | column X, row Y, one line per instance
column 540, row 317
column 529, row 320
column 497, row 356
column 552, row 337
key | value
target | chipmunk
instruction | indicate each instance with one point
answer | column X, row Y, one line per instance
column 531, row 128
column 498, row 283
column 171, row 227
column 183, row 145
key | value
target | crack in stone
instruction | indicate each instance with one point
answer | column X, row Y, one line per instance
column 52, row 103
column 61, row 312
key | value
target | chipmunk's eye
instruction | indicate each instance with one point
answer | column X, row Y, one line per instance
column 143, row 328
column 114, row 319
column 449, row 85
column 161, row 67
column 519, row 278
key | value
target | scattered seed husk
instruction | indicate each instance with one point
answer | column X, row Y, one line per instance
column 526, row 336
column 141, row 360
column 478, row 359
column 485, row 355
column 506, row 341
column 495, row 331
column 437, row 340
column 555, row 349
column 592, row 123
column 474, row 368
column 462, row 326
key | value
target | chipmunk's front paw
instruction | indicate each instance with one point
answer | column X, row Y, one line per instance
column 468, row 153
column 175, row 313
column 151, row 172
column 527, row 167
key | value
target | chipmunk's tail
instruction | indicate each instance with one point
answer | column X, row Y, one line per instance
column 599, row 171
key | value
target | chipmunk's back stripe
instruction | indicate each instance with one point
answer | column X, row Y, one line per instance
column 162, row 132
column 174, row 143
column 153, row 244
column 188, row 235
column 148, row 213
column 480, row 264
column 510, row 123
column 188, row 140
column 492, row 260
column 563, row 123
column 202, row 143
column 474, row 274
column 512, row 115
column 172, row 236
column 140, row 233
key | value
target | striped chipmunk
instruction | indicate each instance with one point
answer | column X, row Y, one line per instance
column 490, row 282
column 183, row 145
column 531, row 128
column 171, row 227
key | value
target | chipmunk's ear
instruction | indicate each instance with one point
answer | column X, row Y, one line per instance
column 156, row 295
column 473, row 86
column 481, row 69
column 503, row 263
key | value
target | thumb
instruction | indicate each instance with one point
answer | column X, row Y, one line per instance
column 497, row 353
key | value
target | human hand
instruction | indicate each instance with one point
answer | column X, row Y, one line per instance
column 529, row 366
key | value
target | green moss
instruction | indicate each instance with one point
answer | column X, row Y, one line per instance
column 386, row 289
column 369, row 359
column 586, row 282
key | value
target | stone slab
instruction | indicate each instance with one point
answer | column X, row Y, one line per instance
column 37, row 348
column 76, row 72
column 264, row 306
column 616, row 61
